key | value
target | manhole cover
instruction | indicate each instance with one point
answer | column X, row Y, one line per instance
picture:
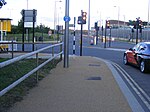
column 94, row 78
column 94, row 65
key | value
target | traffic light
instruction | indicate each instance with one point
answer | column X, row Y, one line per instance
column 107, row 24
column 95, row 25
column 84, row 17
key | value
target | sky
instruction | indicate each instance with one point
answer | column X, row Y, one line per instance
column 100, row 10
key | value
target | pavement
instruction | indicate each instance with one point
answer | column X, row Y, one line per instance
column 89, row 84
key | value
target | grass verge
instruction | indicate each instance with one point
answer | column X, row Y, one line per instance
column 13, row 72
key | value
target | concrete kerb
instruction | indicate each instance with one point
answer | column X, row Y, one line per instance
column 134, row 104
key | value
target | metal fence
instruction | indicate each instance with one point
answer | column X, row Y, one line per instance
column 36, row 53
column 127, row 33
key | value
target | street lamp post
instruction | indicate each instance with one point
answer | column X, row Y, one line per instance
column 148, row 11
column 148, row 18
column 27, row 4
column 89, row 20
column 55, row 11
column 118, row 21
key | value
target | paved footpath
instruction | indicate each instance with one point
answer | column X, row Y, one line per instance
column 88, row 85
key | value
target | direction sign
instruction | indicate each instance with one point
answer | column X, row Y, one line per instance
column 66, row 18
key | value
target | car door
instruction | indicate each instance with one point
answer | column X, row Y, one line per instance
column 132, row 54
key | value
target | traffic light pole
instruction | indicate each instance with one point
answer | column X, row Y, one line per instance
column 136, row 34
column 81, row 40
column 137, row 26
column 96, row 36
column 105, row 35
column 81, row 33
column 110, row 38
column 81, row 21
column 102, row 33
column 105, row 38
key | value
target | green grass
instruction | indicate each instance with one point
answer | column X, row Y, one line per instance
column 13, row 72
column 3, row 59
column 18, row 37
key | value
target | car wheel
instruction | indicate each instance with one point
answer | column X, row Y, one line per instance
column 125, row 60
column 143, row 68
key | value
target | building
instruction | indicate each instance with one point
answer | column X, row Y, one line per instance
column 120, row 24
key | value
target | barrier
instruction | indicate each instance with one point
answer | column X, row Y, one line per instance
column 3, row 64
column 7, row 46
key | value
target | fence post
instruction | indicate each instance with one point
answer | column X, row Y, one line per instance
column 12, row 50
column 61, row 51
column 52, row 51
column 37, row 63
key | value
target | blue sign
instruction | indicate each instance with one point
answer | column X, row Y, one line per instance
column 66, row 18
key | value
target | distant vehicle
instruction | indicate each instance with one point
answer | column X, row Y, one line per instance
column 139, row 55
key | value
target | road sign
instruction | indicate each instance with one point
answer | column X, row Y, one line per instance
column 66, row 18
column 29, row 15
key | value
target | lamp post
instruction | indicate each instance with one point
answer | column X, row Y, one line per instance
column 118, row 21
column 27, row 4
column 124, row 27
column 55, row 13
column 148, row 12
column 89, row 20
column 148, row 18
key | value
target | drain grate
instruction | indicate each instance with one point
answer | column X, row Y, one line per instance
column 94, row 78
column 94, row 65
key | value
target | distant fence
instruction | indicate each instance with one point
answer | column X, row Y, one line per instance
column 36, row 53
column 127, row 33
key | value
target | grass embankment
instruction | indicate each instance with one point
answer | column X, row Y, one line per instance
column 13, row 72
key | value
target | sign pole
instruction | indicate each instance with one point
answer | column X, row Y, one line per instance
column 23, row 16
column 74, row 37
column 66, row 37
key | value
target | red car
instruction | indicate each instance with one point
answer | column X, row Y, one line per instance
column 139, row 55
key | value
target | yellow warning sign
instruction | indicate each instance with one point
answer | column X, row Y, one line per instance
column 5, row 25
